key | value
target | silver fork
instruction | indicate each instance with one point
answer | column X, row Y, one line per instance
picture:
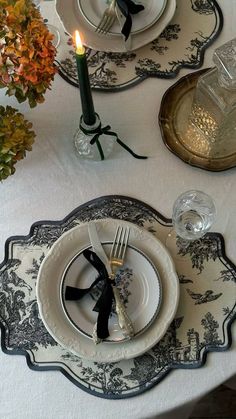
column 108, row 18
column 117, row 257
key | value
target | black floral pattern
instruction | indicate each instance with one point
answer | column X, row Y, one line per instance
column 202, row 6
column 171, row 32
column 199, row 251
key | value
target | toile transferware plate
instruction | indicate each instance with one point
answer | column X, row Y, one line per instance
column 182, row 137
column 93, row 11
column 52, row 312
column 72, row 19
column 138, row 284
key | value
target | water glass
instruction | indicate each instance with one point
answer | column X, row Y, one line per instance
column 193, row 214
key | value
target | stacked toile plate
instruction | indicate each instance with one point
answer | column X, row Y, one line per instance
column 148, row 285
column 85, row 15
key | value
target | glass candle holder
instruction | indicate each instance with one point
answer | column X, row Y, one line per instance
column 91, row 143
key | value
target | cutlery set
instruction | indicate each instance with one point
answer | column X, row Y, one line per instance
column 113, row 264
column 122, row 13
column 108, row 19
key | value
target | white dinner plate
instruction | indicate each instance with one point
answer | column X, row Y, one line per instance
column 73, row 20
column 93, row 10
column 48, row 291
column 139, row 287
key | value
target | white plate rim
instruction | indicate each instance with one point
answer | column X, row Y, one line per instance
column 84, row 347
column 71, row 20
column 110, row 32
column 149, row 322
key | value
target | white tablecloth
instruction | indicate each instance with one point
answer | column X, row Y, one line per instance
column 52, row 181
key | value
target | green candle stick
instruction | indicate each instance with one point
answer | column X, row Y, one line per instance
column 88, row 111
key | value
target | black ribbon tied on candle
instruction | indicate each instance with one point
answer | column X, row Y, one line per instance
column 107, row 131
column 104, row 303
column 128, row 8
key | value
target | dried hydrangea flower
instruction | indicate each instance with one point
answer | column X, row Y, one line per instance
column 27, row 55
column 16, row 137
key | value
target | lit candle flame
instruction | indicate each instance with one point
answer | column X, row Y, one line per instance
column 80, row 50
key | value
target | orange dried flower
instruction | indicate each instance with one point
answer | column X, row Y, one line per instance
column 27, row 55
column 16, row 138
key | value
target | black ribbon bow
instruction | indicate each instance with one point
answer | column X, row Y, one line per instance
column 104, row 303
column 128, row 8
column 107, row 131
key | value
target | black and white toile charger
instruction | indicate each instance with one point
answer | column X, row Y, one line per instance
column 207, row 288
column 195, row 25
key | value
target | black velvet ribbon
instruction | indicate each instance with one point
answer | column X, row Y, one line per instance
column 128, row 8
column 104, row 303
column 107, row 131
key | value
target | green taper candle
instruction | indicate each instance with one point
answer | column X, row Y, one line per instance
column 88, row 111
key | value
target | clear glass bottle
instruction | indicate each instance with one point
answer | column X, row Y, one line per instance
column 82, row 140
column 213, row 113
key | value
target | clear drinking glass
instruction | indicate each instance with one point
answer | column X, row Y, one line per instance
column 193, row 215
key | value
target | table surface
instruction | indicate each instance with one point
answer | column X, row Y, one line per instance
column 51, row 181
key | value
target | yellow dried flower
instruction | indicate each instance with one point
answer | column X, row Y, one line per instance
column 27, row 54
column 16, row 137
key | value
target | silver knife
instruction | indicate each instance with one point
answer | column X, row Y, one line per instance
column 123, row 318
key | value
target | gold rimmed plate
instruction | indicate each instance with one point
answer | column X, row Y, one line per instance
column 181, row 137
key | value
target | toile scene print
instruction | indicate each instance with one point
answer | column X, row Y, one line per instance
column 207, row 287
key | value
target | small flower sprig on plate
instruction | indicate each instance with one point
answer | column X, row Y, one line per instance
column 27, row 54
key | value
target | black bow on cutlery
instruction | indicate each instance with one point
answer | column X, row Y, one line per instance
column 128, row 8
column 104, row 304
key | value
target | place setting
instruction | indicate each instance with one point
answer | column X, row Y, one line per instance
column 128, row 41
column 107, row 292
column 138, row 23
column 93, row 12
column 134, row 301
